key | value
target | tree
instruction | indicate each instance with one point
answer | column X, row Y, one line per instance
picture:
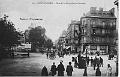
column 36, row 37
column 8, row 35
column 49, row 44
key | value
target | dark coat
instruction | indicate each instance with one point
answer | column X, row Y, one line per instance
column 69, row 70
column 44, row 72
column 101, row 60
column 98, row 72
column 53, row 70
column 60, row 70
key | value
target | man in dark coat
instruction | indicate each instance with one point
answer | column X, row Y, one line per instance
column 69, row 69
column 60, row 69
column 91, row 61
column 53, row 69
column 94, row 63
column 98, row 72
column 101, row 62
column 44, row 71
column 88, row 61
column 47, row 55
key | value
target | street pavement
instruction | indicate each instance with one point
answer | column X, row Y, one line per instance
column 31, row 66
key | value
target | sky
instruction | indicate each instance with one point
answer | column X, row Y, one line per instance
column 55, row 17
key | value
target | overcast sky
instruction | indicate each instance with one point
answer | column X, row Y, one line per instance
column 56, row 17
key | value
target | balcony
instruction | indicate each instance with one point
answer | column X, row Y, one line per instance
column 103, row 35
column 104, row 27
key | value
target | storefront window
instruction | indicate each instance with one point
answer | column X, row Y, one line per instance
column 102, row 47
column 93, row 47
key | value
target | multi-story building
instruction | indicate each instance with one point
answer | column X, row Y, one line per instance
column 98, row 28
column 72, row 35
column 61, row 41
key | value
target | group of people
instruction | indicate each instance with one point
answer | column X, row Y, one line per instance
column 109, row 71
column 96, row 62
column 60, row 68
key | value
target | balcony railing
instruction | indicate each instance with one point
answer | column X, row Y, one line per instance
column 103, row 35
column 104, row 27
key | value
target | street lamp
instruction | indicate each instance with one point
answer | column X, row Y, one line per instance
column 84, row 49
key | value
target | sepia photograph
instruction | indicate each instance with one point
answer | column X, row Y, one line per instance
column 59, row 38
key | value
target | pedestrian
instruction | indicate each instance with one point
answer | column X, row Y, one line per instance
column 69, row 69
column 109, row 70
column 97, row 62
column 101, row 61
column 91, row 61
column 53, row 69
column 60, row 69
column 44, row 71
column 98, row 72
column 94, row 63
column 88, row 61
column 75, row 63
column 47, row 55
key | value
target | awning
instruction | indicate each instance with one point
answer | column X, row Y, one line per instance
column 67, row 47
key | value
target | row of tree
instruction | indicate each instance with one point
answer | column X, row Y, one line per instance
column 38, row 39
column 9, row 36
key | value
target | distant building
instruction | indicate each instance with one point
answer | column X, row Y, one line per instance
column 98, row 30
column 72, row 35
column 61, row 41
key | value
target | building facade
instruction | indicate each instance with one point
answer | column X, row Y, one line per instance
column 98, row 30
column 72, row 39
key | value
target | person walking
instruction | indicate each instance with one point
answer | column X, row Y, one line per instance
column 101, row 61
column 98, row 62
column 94, row 63
column 88, row 61
column 91, row 61
column 60, row 69
column 47, row 55
column 109, row 70
column 44, row 71
column 98, row 72
column 69, row 69
column 53, row 69
column 75, row 63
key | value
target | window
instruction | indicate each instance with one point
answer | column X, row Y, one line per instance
column 114, row 23
column 111, row 24
column 83, row 22
column 98, row 31
column 103, row 24
column 82, row 31
column 83, row 39
column 97, row 39
column 94, row 39
column 93, row 47
column 94, row 31
column 102, row 47
column 103, row 31
column 102, row 39
column 91, row 22
column 107, row 31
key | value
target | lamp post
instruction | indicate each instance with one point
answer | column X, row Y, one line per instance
column 84, row 49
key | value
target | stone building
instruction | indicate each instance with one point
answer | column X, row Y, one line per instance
column 72, row 39
column 98, row 30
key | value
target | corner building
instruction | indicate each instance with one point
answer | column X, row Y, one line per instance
column 98, row 30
